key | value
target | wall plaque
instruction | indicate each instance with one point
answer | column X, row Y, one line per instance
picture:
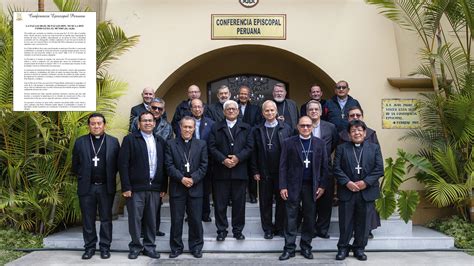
column 400, row 113
column 248, row 27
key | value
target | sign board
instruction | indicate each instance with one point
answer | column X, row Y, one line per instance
column 400, row 113
column 54, row 61
column 248, row 27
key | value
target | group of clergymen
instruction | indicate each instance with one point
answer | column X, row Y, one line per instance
column 226, row 148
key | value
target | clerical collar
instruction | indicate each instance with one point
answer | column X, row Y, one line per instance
column 301, row 137
column 97, row 137
column 358, row 144
column 271, row 124
column 186, row 140
column 231, row 124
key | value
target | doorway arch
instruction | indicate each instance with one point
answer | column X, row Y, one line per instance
column 298, row 72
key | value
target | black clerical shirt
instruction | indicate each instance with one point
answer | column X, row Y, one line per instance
column 98, row 173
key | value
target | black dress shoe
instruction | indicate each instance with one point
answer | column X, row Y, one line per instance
column 239, row 236
column 279, row 233
column 286, row 255
column 175, row 253
column 133, row 254
column 371, row 236
column 206, row 219
column 359, row 254
column 342, row 254
column 307, row 254
column 197, row 254
column 88, row 254
column 104, row 253
column 221, row 236
column 159, row 233
column 152, row 254
column 325, row 236
column 268, row 235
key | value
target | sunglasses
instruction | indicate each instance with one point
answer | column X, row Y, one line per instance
column 355, row 115
column 157, row 108
column 341, row 87
column 305, row 125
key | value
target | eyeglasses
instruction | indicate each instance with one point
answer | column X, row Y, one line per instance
column 231, row 109
column 355, row 115
column 341, row 87
column 156, row 108
column 305, row 125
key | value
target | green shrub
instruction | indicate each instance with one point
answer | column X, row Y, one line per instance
column 11, row 239
column 460, row 229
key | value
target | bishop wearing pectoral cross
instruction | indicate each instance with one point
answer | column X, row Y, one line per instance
column 186, row 161
column 303, row 179
column 358, row 165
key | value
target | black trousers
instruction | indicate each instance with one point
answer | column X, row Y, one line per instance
column 291, row 225
column 193, row 207
column 226, row 190
column 142, row 207
column 268, row 191
column 354, row 216
column 97, row 199
column 324, row 210
column 252, row 186
column 206, row 202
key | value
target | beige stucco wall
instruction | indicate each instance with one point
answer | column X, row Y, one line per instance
column 347, row 39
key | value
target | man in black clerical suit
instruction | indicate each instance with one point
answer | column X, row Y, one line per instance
column 215, row 110
column 265, row 165
column 303, row 179
column 230, row 145
column 358, row 165
column 184, row 108
column 144, row 181
column 203, row 130
column 94, row 161
column 186, row 162
column 252, row 115
column 286, row 108
column 328, row 133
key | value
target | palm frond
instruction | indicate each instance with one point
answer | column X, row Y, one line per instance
column 70, row 6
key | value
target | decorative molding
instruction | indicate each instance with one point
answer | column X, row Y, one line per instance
column 411, row 83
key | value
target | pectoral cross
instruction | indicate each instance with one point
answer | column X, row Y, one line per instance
column 358, row 168
column 306, row 162
column 187, row 167
column 342, row 116
column 95, row 160
column 270, row 145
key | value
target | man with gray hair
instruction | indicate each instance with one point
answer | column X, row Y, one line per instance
column 216, row 109
column 163, row 128
column 230, row 145
column 147, row 95
column 286, row 108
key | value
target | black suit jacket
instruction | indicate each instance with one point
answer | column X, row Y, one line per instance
column 134, row 112
column 291, row 166
column 134, row 167
column 259, row 162
column 252, row 116
column 216, row 112
column 372, row 170
column 220, row 146
column 82, row 163
column 175, row 162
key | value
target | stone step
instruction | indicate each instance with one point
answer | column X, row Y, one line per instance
column 420, row 238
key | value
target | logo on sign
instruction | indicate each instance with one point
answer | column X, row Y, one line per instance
column 248, row 3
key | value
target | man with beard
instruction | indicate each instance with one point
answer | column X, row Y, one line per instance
column 184, row 108
column 147, row 95
column 144, row 181
column 286, row 108
column 316, row 94
column 358, row 165
column 94, row 161
column 186, row 162
column 265, row 165
column 216, row 112
column 328, row 133
column 230, row 145
column 303, row 180
column 252, row 115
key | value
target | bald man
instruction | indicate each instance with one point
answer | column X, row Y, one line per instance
column 184, row 108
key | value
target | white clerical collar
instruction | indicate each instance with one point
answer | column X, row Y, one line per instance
column 231, row 124
column 301, row 137
column 357, row 144
column 271, row 124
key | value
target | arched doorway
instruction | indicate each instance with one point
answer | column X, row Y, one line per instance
column 262, row 60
